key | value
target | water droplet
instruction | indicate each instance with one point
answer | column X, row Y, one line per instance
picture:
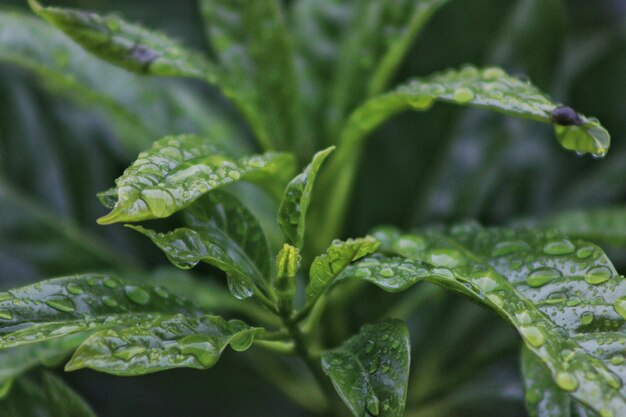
column 111, row 283
column 386, row 272
column 109, row 301
column 496, row 300
column 161, row 292
column 137, row 295
column 485, row 281
column 362, row 273
column 542, row 276
column 493, row 73
column 238, row 289
column 373, row 365
column 598, row 275
column 559, row 247
column 566, row 381
column 509, row 247
column 4, row 296
column 445, row 257
column 533, row 335
column 6, row 315
column 463, row 95
column 128, row 352
column 620, row 306
column 586, row 318
column 74, row 288
column 422, row 102
column 585, row 252
column 242, row 341
column 160, row 202
column 200, row 347
column 410, row 246
column 617, row 359
column 372, row 403
column 369, row 346
column 606, row 413
column 63, row 304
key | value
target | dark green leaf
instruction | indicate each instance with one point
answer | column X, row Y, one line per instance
column 325, row 268
column 370, row 371
column 252, row 43
column 223, row 233
column 44, row 395
column 176, row 170
column 165, row 342
column 564, row 297
column 489, row 88
column 63, row 306
column 602, row 225
column 296, row 200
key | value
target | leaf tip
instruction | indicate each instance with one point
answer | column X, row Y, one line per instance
column 35, row 6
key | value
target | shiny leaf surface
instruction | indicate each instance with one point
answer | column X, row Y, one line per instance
column 296, row 200
column 370, row 371
column 162, row 343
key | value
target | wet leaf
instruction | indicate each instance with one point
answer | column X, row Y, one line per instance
column 489, row 88
column 327, row 267
column 296, row 200
column 177, row 170
column 163, row 343
column 563, row 296
column 223, row 233
column 370, row 371
column 63, row 306
column 543, row 396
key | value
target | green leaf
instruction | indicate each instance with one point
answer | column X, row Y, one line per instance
column 253, row 46
column 223, row 233
column 381, row 33
column 63, row 306
column 296, row 200
column 563, row 296
column 392, row 274
column 601, row 225
column 488, row 88
column 127, row 45
column 325, row 268
column 177, row 170
column 370, row 371
column 543, row 397
column 17, row 360
column 44, row 395
column 163, row 343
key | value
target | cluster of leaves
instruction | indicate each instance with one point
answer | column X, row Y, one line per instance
column 559, row 292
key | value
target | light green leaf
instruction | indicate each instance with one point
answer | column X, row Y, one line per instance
column 63, row 306
column 381, row 33
column 543, row 397
column 601, row 225
column 223, row 233
column 370, row 371
column 563, row 296
column 253, row 46
column 176, row 170
column 163, row 343
column 43, row 395
column 325, row 268
column 392, row 274
column 296, row 200
column 127, row 45
column 489, row 88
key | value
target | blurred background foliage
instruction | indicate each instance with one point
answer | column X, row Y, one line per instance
column 441, row 166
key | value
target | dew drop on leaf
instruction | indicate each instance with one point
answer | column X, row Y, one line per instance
column 598, row 275
column 161, row 292
column 127, row 352
column 533, row 335
column 620, row 307
column 559, row 247
column 63, row 304
column 372, row 403
column 242, row 341
column 74, row 288
column 566, row 381
column 109, row 301
column 200, row 347
column 6, row 315
column 542, row 276
column 111, row 283
column 463, row 95
column 4, row 296
column 445, row 257
column 137, row 295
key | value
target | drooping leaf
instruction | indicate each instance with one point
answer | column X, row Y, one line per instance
column 489, row 88
column 564, row 297
column 382, row 31
column 327, row 267
column 176, row 170
column 223, row 233
column 601, row 225
column 44, row 395
column 63, row 306
column 296, row 200
column 127, row 45
column 370, row 371
column 163, row 343
column 253, row 46
column 543, row 397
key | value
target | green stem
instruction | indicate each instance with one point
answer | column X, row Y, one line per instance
column 276, row 346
